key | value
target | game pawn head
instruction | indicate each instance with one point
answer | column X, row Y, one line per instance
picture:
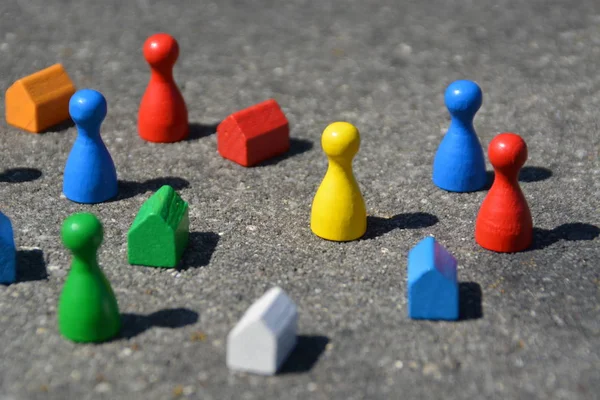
column 504, row 222
column 463, row 99
column 161, row 51
column 82, row 233
column 507, row 153
column 88, row 108
column 340, row 141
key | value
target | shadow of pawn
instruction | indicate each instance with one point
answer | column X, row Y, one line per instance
column 20, row 175
column 173, row 318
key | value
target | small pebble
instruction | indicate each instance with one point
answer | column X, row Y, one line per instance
column 103, row 387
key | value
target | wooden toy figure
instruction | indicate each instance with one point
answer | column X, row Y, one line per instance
column 87, row 309
column 338, row 209
column 90, row 175
column 432, row 282
column 504, row 222
column 159, row 234
column 459, row 165
column 39, row 101
column 162, row 116
column 265, row 336
column 254, row 134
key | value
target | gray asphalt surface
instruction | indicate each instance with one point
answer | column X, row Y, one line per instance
column 530, row 325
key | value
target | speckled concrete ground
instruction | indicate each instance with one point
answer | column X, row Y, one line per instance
column 531, row 321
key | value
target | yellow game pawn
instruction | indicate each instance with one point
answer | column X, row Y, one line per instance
column 338, row 209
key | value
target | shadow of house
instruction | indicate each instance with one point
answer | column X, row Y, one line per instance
column 470, row 301
column 297, row 146
column 61, row 126
column 200, row 249
column 305, row 355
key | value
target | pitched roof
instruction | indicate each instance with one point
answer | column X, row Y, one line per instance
column 427, row 256
column 167, row 204
column 47, row 84
column 259, row 118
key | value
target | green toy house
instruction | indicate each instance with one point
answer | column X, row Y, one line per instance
column 159, row 234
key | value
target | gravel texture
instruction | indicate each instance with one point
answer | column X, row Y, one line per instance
column 530, row 325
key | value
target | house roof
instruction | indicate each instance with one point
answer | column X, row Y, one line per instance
column 430, row 256
column 273, row 310
column 259, row 118
column 47, row 84
column 165, row 203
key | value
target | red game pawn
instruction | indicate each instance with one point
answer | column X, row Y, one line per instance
column 504, row 222
column 163, row 115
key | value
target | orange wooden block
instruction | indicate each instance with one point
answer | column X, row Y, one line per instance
column 39, row 101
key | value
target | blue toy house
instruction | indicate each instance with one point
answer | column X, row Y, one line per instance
column 8, row 252
column 432, row 282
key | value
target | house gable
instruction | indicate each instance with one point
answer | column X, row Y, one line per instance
column 260, row 119
column 152, row 243
column 231, row 143
column 433, row 297
column 20, row 108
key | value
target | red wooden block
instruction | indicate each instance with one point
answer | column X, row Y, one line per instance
column 504, row 222
column 254, row 134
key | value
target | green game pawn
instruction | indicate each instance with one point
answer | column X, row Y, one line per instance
column 87, row 309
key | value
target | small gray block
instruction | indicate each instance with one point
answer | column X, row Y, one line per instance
column 265, row 336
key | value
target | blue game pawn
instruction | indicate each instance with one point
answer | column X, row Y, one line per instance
column 90, row 175
column 459, row 165
column 8, row 253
